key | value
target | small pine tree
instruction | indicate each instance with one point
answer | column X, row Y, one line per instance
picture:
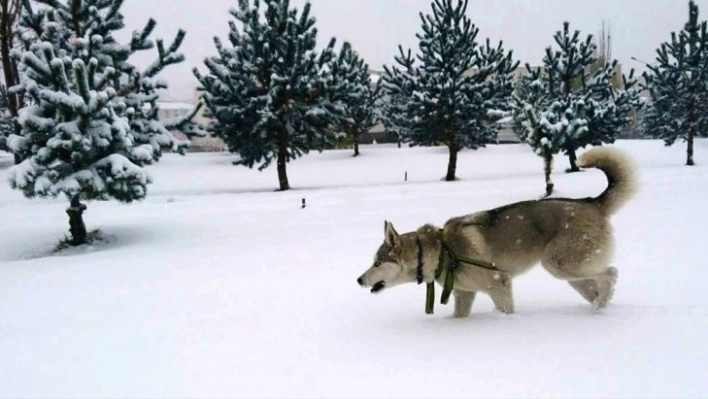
column 526, row 89
column 357, row 92
column 79, row 133
column 393, row 112
column 453, row 95
column 271, row 95
column 570, row 102
column 657, row 124
column 677, row 85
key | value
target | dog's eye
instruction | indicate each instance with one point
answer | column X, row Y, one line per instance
column 377, row 264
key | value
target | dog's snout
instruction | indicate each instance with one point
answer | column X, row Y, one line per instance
column 360, row 280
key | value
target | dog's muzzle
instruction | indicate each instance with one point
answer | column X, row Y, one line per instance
column 378, row 287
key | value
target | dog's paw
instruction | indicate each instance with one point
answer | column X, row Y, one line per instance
column 602, row 301
column 505, row 316
column 506, row 309
column 599, row 304
column 607, row 292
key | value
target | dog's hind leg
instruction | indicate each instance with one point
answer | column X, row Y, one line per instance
column 597, row 291
column 606, row 288
column 596, row 288
column 579, row 256
column 463, row 303
column 587, row 288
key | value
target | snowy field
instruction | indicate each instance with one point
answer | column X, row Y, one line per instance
column 217, row 286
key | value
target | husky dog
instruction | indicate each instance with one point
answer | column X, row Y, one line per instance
column 571, row 238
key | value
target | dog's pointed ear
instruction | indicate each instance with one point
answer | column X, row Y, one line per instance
column 391, row 235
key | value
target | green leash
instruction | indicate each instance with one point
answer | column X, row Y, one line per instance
column 455, row 261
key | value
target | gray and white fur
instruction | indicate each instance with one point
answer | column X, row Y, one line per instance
column 571, row 238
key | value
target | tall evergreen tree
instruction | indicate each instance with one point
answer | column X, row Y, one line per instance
column 393, row 114
column 678, row 85
column 10, row 101
column 570, row 102
column 80, row 134
column 356, row 91
column 453, row 94
column 271, row 94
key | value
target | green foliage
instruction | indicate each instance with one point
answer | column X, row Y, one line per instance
column 89, row 123
column 570, row 102
column 458, row 88
column 356, row 92
column 270, row 93
column 678, row 85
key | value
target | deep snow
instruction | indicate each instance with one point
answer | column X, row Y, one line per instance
column 218, row 286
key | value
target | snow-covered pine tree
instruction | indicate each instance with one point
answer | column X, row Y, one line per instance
column 356, row 91
column 677, row 85
column 453, row 94
column 539, row 131
column 140, row 92
column 269, row 93
column 86, row 101
column 393, row 114
column 526, row 88
column 138, row 89
column 570, row 102
column 10, row 101
column 657, row 124
column 6, row 124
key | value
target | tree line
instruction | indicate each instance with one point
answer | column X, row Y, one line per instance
column 82, row 121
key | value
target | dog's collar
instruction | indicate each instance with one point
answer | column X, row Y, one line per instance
column 419, row 268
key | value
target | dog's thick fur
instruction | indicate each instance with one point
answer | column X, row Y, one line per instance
column 571, row 238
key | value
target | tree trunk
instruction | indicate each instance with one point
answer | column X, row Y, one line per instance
column 689, row 150
column 282, row 163
column 355, row 137
column 6, row 37
column 547, row 169
column 573, row 161
column 451, row 164
column 75, row 6
column 77, row 228
column 9, row 14
column 7, row 67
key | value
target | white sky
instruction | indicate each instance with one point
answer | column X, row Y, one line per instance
column 376, row 27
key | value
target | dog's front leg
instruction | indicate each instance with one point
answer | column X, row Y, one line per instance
column 496, row 284
column 463, row 303
column 501, row 294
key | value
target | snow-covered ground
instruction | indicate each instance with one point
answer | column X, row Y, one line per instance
column 217, row 286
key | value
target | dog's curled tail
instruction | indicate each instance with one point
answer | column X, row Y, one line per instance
column 621, row 176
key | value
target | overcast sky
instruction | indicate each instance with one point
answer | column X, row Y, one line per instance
column 376, row 27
